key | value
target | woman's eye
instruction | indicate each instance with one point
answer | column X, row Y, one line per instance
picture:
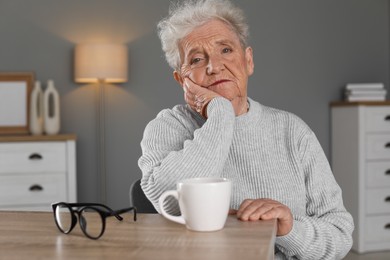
column 195, row 60
column 226, row 50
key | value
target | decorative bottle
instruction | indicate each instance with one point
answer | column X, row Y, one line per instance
column 51, row 104
column 36, row 110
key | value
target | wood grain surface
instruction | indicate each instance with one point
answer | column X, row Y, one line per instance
column 34, row 235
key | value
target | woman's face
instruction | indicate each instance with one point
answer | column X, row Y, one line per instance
column 213, row 58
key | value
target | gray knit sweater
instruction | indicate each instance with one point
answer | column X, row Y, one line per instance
column 267, row 153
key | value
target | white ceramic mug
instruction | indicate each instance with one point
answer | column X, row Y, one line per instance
column 204, row 203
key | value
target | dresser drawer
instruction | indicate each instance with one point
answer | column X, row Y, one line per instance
column 377, row 229
column 23, row 189
column 32, row 157
column 377, row 174
column 378, row 146
column 378, row 201
column 377, row 119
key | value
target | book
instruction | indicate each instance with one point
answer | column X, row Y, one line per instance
column 370, row 86
column 365, row 98
column 368, row 92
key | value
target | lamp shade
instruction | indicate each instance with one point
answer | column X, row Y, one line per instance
column 94, row 62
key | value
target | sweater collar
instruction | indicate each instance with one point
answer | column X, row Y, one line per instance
column 249, row 118
column 241, row 122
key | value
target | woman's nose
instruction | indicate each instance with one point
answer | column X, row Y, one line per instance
column 215, row 65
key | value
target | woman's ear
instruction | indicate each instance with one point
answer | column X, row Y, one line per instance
column 250, row 65
column 178, row 78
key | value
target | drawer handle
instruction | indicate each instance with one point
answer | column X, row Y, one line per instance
column 387, row 172
column 387, row 145
column 36, row 187
column 387, row 118
column 35, row 156
column 387, row 199
column 387, row 226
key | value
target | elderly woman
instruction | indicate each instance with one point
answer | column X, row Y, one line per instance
column 276, row 164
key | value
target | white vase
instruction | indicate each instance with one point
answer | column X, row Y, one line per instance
column 36, row 110
column 51, row 105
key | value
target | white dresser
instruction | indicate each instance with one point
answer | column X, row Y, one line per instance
column 36, row 171
column 361, row 165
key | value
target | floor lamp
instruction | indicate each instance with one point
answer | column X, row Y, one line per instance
column 101, row 64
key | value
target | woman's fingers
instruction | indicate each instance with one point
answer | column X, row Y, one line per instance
column 251, row 210
column 189, row 98
column 232, row 211
column 243, row 207
column 197, row 97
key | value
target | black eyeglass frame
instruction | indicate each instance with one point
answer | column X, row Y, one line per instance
column 94, row 206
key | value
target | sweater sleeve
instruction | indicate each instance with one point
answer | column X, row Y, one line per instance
column 172, row 150
column 325, row 232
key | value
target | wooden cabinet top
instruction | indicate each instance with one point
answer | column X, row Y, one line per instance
column 359, row 103
column 34, row 138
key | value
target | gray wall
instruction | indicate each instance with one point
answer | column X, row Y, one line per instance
column 305, row 52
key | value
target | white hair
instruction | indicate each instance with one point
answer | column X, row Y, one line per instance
column 185, row 16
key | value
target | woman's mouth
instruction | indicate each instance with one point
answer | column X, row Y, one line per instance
column 219, row 82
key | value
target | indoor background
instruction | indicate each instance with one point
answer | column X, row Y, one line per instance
column 305, row 52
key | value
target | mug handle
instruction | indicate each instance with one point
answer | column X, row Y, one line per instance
column 175, row 194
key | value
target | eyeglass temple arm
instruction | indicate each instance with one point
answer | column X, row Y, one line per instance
column 111, row 211
column 120, row 211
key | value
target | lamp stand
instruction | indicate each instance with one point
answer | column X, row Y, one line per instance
column 101, row 156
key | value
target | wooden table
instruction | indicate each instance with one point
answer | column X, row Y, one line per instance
column 34, row 235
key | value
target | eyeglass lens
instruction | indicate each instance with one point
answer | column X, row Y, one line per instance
column 64, row 218
column 91, row 222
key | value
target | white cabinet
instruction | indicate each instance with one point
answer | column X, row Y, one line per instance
column 361, row 165
column 36, row 171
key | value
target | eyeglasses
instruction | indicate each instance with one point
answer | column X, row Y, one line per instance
column 92, row 217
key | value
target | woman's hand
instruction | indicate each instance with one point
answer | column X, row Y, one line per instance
column 251, row 210
column 197, row 97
